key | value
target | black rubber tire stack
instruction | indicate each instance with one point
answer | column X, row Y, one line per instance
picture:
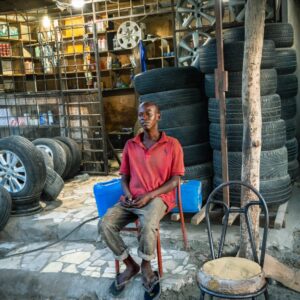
column 282, row 35
column 31, row 170
column 179, row 94
column 275, row 181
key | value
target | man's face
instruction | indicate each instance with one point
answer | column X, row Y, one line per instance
column 148, row 116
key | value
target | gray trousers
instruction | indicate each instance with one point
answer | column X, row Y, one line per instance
column 119, row 216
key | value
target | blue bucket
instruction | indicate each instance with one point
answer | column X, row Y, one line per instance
column 107, row 194
column 191, row 197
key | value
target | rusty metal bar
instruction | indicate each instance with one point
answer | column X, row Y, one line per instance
column 221, row 85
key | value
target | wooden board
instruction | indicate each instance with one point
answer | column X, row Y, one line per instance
column 280, row 216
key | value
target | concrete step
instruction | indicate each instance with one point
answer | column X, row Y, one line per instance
column 72, row 270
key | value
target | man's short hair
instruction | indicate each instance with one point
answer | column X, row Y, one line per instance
column 149, row 103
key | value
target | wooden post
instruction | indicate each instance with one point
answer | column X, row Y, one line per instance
column 221, row 85
column 252, row 124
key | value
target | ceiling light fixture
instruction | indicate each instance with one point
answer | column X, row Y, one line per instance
column 77, row 3
column 46, row 22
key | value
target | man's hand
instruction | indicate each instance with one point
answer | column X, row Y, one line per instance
column 126, row 200
column 141, row 201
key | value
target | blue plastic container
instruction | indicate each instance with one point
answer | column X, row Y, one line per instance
column 191, row 197
column 107, row 194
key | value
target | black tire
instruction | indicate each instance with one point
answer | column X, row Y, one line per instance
column 55, row 151
column 293, row 169
column 270, row 108
column 31, row 160
column 268, row 83
column 76, row 155
column 274, row 191
column 273, row 136
column 5, row 207
column 290, row 125
column 47, row 159
column 25, row 206
column 286, row 61
column 185, row 115
column 273, row 163
column 281, row 33
column 233, row 56
column 53, row 186
column 292, row 149
column 171, row 99
column 288, row 108
column 69, row 159
column 197, row 154
column 165, row 79
column 287, row 85
column 199, row 172
column 189, row 135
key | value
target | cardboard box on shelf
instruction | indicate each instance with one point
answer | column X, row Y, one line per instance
column 74, row 27
column 7, row 68
column 77, row 48
column 25, row 32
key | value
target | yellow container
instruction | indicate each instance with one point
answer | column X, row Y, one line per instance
column 74, row 27
column 78, row 48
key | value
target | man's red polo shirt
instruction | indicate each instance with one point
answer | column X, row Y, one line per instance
column 151, row 168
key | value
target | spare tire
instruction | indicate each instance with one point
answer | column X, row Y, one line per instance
column 197, row 154
column 281, row 33
column 165, row 79
column 287, row 85
column 273, row 163
column 288, row 108
column 171, row 99
column 233, row 56
column 275, row 191
column 185, row 115
column 268, row 83
column 292, row 149
column 270, row 109
column 53, row 186
column 5, row 207
column 273, row 136
column 76, row 155
column 189, row 135
column 286, row 61
column 23, row 167
column 69, row 158
column 199, row 172
column 55, row 151
column 290, row 126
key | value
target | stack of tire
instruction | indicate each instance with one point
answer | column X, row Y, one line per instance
column 178, row 93
column 287, row 87
column 34, row 171
column 23, row 174
column 274, row 179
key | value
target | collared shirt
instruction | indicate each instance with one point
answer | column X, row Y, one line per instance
column 150, row 168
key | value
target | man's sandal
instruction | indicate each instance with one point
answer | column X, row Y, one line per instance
column 117, row 288
column 153, row 289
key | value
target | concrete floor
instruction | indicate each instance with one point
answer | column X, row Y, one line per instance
column 81, row 267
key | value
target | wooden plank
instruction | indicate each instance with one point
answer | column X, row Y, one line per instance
column 175, row 217
column 198, row 217
column 280, row 216
column 232, row 217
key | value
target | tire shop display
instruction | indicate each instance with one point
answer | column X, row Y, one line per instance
column 22, row 173
column 183, row 115
column 275, row 182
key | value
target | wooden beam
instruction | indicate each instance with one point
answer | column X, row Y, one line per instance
column 198, row 217
column 280, row 216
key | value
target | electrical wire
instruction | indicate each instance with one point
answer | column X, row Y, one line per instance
column 51, row 244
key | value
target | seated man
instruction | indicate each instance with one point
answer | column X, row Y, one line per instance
column 151, row 165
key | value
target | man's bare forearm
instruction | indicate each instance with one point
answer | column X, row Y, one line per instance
column 125, row 185
column 166, row 187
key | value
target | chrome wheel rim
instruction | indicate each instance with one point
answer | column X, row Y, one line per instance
column 46, row 149
column 188, row 48
column 238, row 9
column 13, row 175
column 195, row 13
